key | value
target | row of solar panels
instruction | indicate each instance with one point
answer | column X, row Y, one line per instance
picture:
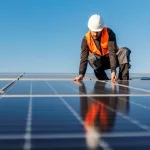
column 62, row 76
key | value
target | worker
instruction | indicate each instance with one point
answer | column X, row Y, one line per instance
column 99, row 48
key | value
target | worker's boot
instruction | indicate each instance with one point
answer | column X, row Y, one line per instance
column 124, row 72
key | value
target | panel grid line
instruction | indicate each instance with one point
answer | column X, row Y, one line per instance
column 27, row 144
column 75, row 135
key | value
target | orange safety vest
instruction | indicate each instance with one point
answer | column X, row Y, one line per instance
column 103, row 43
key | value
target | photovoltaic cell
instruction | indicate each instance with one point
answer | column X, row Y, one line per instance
column 142, row 84
column 4, row 83
column 20, row 87
column 50, row 116
column 13, row 115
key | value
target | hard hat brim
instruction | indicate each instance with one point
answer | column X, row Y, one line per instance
column 95, row 30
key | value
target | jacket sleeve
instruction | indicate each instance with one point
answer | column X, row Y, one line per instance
column 112, row 50
column 83, row 57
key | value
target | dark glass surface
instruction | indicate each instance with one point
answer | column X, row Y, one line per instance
column 78, row 121
column 41, row 87
column 142, row 84
column 13, row 115
column 20, row 87
column 4, row 83
column 50, row 116
column 83, row 123
column 64, row 144
column 12, row 144
column 63, row 87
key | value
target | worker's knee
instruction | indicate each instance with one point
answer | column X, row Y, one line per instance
column 124, row 55
column 126, row 51
column 94, row 61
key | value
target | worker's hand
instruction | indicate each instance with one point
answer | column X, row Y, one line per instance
column 113, row 77
column 78, row 78
column 80, row 82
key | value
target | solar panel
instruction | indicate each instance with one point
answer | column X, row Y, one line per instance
column 50, row 111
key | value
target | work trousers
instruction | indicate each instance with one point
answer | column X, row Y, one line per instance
column 102, row 63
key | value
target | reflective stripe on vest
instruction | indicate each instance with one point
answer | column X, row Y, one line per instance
column 103, row 43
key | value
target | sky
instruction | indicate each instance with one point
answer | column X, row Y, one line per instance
column 46, row 35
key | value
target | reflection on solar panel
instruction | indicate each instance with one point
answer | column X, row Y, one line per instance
column 51, row 112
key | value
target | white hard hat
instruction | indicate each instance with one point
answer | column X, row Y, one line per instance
column 95, row 23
